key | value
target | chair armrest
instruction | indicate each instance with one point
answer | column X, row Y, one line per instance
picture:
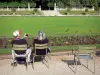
column 49, row 49
column 74, row 51
column 76, row 54
column 92, row 54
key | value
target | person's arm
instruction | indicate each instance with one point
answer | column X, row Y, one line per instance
column 46, row 40
column 24, row 42
column 12, row 43
column 34, row 41
column 25, row 35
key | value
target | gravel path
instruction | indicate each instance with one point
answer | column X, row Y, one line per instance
column 57, row 66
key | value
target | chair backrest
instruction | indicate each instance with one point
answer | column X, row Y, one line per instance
column 19, row 47
column 86, row 49
column 41, row 47
column 91, row 49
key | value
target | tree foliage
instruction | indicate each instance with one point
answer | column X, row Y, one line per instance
column 64, row 3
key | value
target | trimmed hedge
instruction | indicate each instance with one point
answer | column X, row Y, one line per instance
column 25, row 12
column 79, row 12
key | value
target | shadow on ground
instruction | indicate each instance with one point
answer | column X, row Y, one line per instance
column 71, row 64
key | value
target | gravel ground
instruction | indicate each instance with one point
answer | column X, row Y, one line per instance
column 60, row 64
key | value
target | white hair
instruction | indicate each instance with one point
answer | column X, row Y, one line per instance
column 41, row 35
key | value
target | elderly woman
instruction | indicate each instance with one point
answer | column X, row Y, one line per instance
column 41, row 39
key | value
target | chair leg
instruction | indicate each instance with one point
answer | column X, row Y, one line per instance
column 94, row 66
column 26, row 63
column 48, row 62
column 45, row 58
column 49, row 53
column 74, row 58
column 87, row 63
column 33, row 62
column 75, row 63
column 76, row 66
column 49, row 56
column 13, row 63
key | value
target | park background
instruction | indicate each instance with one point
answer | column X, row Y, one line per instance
column 66, row 23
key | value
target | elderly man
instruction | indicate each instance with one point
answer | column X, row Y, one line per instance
column 18, row 40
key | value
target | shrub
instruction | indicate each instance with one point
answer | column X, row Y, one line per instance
column 86, row 10
column 83, row 13
column 68, row 9
column 66, row 13
column 96, row 8
column 60, row 40
column 13, row 10
column 34, row 11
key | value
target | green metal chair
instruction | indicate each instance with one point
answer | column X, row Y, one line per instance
column 20, row 49
column 86, row 53
column 41, row 47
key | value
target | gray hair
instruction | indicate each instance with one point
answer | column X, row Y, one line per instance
column 41, row 34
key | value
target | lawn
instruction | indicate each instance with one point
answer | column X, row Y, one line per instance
column 50, row 25
column 53, row 48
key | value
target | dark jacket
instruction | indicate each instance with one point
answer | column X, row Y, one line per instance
column 19, row 42
column 41, row 51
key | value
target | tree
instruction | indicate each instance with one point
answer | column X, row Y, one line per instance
column 92, row 2
column 60, row 4
column 23, row 5
column 66, row 2
column 3, row 5
column 50, row 4
column 13, row 4
column 32, row 4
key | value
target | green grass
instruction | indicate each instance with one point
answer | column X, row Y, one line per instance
column 66, row 48
column 50, row 25
column 53, row 48
column 5, row 51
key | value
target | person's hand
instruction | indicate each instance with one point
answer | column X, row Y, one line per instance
column 25, row 35
column 20, row 31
